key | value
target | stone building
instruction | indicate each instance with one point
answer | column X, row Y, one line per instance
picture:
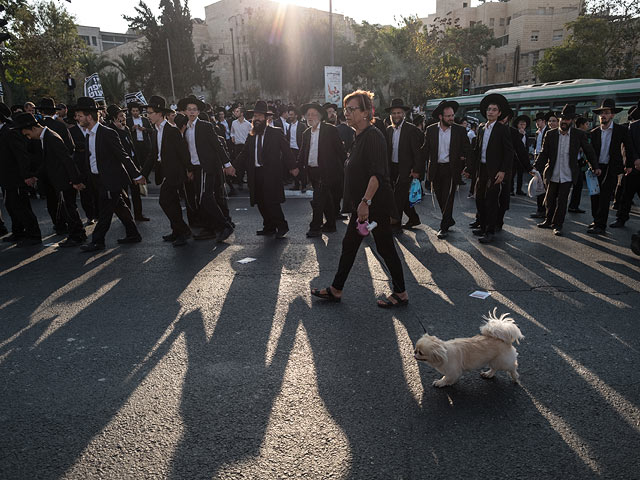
column 524, row 28
column 100, row 41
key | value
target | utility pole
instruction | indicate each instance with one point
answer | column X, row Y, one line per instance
column 173, row 90
column 331, row 28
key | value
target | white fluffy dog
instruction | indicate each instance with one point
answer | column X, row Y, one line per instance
column 493, row 347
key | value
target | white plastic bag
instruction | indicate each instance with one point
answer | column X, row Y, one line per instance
column 592, row 183
column 536, row 185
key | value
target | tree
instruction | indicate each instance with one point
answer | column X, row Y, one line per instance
column 112, row 86
column 131, row 68
column 91, row 63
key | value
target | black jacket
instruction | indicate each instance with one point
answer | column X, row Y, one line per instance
column 347, row 135
column 276, row 156
column 146, row 135
column 14, row 159
column 209, row 145
column 175, row 160
column 79, row 142
column 633, row 143
column 61, row 129
column 547, row 158
column 300, row 129
column 520, row 154
column 331, row 154
column 409, row 154
column 459, row 150
column 499, row 151
column 115, row 167
column 57, row 164
column 618, row 138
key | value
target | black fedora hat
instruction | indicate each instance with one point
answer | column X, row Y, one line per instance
column 316, row 106
column 46, row 105
column 540, row 116
column 568, row 112
column 24, row 120
column 158, row 103
column 291, row 107
column 113, row 110
column 137, row 105
column 608, row 104
column 550, row 114
column 521, row 118
column 634, row 113
column 493, row 99
column 221, row 109
column 86, row 104
column 260, row 107
column 442, row 105
column 397, row 103
column 191, row 99
column 330, row 105
column 506, row 113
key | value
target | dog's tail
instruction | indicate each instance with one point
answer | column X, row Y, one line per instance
column 503, row 328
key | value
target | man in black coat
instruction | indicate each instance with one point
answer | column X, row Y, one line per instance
column 405, row 160
column 607, row 140
column 15, row 177
column 141, row 130
column 491, row 162
column 264, row 156
column 632, row 169
column 209, row 162
column 294, row 137
column 446, row 149
column 47, row 108
column 58, row 167
column 544, row 121
column 322, row 156
column 558, row 160
column 110, row 172
column 88, row 199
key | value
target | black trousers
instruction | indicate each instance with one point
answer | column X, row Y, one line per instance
column 134, row 200
column 517, row 177
column 69, row 212
column 631, row 188
column 383, row 237
column 214, row 212
column 540, row 203
column 401, row 187
column 192, row 195
column 24, row 223
column 504, row 201
column 271, row 211
column 170, row 204
column 487, row 200
column 141, row 149
column 53, row 204
column 600, row 203
column 444, row 188
column 576, row 192
column 108, row 204
column 556, row 203
column 240, row 172
column 322, row 203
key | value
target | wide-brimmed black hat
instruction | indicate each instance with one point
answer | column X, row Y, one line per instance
column 86, row 104
column 131, row 105
column 608, row 104
column 5, row 112
column 521, row 118
column 506, row 113
column 550, row 114
column 397, row 103
column 158, row 103
column 634, row 112
column 221, row 109
column 540, row 116
column 568, row 112
column 291, row 106
column 330, row 105
column 61, row 106
column 181, row 120
column 113, row 110
column 46, row 105
column 191, row 99
column 260, row 107
column 441, row 106
column 493, row 99
column 24, row 120
column 316, row 106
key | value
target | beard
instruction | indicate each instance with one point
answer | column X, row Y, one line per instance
column 445, row 123
column 259, row 127
column 564, row 126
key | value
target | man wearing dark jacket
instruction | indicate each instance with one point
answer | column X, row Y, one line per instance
column 405, row 160
column 88, row 200
column 140, row 129
column 446, row 148
column 558, row 160
column 491, row 162
column 322, row 156
column 632, row 168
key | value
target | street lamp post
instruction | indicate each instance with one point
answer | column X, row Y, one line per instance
column 173, row 91
column 331, row 28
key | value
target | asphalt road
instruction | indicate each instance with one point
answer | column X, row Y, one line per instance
column 147, row 361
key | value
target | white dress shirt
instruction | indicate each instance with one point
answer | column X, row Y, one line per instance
column 285, row 125
column 562, row 170
column 160, row 129
column 139, row 134
column 444, row 142
column 190, row 135
column 471, row 135
column 395, row 145
column 293, row 142
column 313, row 147
column 539, row 140
column 42, row 137
column 488, row 128
column 240, row 131
column 605, row 143
column 93, row 162
column 259, row 138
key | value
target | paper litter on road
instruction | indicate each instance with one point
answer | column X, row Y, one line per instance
column 247, row 260
column 480, row 294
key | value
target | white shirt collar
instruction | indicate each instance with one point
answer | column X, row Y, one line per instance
column 400, row 125
column 608, row 128
column 192, row 125
column 43, row 132
column 164, row 122
column 95, row 128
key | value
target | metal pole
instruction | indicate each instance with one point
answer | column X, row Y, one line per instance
column 331, row 28
column 173, row 91
column 233, row 61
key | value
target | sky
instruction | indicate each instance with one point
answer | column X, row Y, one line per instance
column 108, row 14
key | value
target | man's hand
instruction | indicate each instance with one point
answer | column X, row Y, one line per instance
column 230, row 171
column 190, row 176
column 414, row 174
column 499, row 178
column 79, row 186
column 627, row 171
column 598, row 172
column 466, row 173
column 363, row 212
column 30, row 181
column 141, row 181
column 294, row 172
column 636, row 164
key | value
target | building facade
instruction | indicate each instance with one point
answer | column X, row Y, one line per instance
column 524, row 29
column 100, row 41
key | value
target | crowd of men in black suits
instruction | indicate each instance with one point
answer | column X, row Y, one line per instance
column 200, row 155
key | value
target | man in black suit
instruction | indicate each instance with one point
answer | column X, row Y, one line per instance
column 266, row 153
column 405, row 161
column 88, row 199
column 558, row 160
column 140, row 129
column 544, row 121
column 170, row 159
column 294, row 137
column 632, row 169
column 446, row 149
column 491, row 162
column 607, row 140
column 47, row 108
column 110, row 171
column 322, row 156
column 15, row 177
column 58, row 167
column 210, row 162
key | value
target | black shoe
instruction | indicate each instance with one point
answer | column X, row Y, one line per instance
column 591, row 225
column 475, row 224
column 411, row 223
column 486, row 238
column 13, row 238
column 478, row 232
column 262, row 233
column 170, row 238
column 303, row 190
column 617, row 224
column 596, row 231
column 442, row 234
column 538, row 215
column 29, row 242
column 90, row 221
column 61, row 231
column 341, row 216
column 576, row 210
column 71, row 242
column 635, row 243
column 92, row 247
column 557, row 232
column 498, row 228
column 142, row 218
column 521, row 193
column 205, row 235
column 3, row 230
column 281, row 233
column 232, row 192
column 180, row 240
column 314, row 233
column 328, row 228
column 513, row 194
column 545, row 225
column 132, row 239
column 224, row 234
